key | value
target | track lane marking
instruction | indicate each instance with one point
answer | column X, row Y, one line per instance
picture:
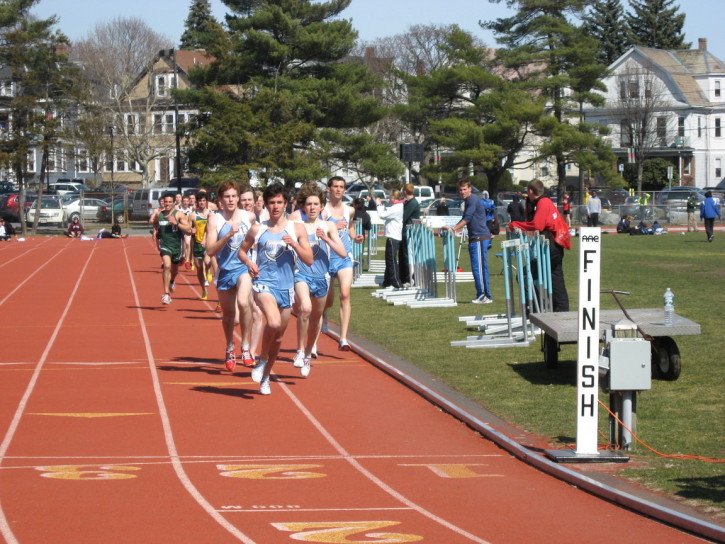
column 27, row 279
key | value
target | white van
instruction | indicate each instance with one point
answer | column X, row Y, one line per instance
column 423, row 193
column 145, row 201
column 62, row 187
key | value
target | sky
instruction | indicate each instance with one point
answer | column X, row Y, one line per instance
column 371, row 18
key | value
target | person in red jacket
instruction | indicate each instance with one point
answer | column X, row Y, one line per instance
column 544, row 221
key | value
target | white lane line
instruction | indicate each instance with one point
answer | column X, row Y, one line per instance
column 166, row 424
column 29, row 250
column 9, row 435
column 233, row 510
column 26, row 280
column 374, row 479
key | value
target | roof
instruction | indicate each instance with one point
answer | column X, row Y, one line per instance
column 188, row 59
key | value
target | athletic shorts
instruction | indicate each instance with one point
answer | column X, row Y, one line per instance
column 199, row 251
column 285, row 297
column 175, row 257
column 228, row 279
column 318, row 286
column 337, row 264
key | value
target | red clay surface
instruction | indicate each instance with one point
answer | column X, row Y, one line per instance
column 119, row 424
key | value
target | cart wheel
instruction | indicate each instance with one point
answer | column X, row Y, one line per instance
column 666, row 361
column 551, row 352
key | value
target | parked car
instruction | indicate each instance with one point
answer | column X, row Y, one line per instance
column 145, row 201
column 430, row 207
column 676, row 197
column 108, row 212
column 423, row 193
column 51, row 212
column 83, row 208
column 355, row 189
column 61, row 188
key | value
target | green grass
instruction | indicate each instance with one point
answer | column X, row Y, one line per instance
column 686, row 416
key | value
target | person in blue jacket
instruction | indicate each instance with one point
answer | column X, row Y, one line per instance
column 709, row 210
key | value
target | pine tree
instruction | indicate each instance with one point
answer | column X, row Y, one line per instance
column 201, row 29
column 656, row 23
column 604, row 23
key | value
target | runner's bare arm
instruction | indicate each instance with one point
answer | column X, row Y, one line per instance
column 328, row 234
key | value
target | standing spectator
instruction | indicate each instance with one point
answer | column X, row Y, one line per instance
column 7, row 231
column 691, row 209
column 442, row 208
column 516, row 209
column 393, row 217
column 709, row 210
column 75, row 229
column 544, row 221
column 594, row 208
column 411, row 212
column 362, row 214
column 566, row 209
column 479, row 240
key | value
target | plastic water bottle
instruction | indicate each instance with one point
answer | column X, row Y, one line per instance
column 669, row 307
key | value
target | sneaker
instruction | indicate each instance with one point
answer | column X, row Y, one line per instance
column 166, row 298
column 247, row 359
column 258, row 371
column 324, row 327
column 313, row 353
column 305, row 369
column 299, row 359
column 172, row 286
column 344, row 345
column 218, row 307
column 483, row 299
column 209, row 276
column 193, row 267
column 264, row 388
column 204, row 295
column 187, row 265
column 231, row 360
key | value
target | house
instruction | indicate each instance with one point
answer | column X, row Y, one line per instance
column 669, row 105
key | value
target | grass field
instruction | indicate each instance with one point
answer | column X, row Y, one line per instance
column 684, row 417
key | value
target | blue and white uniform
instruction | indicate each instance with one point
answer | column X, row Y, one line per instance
column 317, row 276
column 337, row 263
column 230, row 267
column 276, row 262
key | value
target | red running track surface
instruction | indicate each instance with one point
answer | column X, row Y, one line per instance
column 119, row 424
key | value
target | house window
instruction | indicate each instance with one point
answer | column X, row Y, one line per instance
column 31, row 160
column 82, row 161
column 686, row 164
column 717, row 89
column 161, row 85
column 634, row 89
column 622, row 90
column 158, row 127
column 131, row 124
column 121, row 162
column 662, row 127
column 681, row 127
column 699, row 127
column 718, row 168
column 718, row 128
column 109, row 163
column 544, row 171
column 625, row 133
column 51, row 165
column 169, row 123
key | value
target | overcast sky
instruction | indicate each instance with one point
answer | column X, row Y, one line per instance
column 371, row 18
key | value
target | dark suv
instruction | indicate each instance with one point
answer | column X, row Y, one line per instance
column 676, row 197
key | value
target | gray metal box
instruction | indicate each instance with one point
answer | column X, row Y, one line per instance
column 630, row 364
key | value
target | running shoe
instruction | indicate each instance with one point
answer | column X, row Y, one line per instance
column 187, row 265
column 204, row 295
column 218, row 307
column 247, row 359
column 166, row 298
column 313, row 353
column 258, row 371
column 344, row 345
column 305, row 370
column 209, row 276
column 299, row 359
column 264, row 387
column 172, row 286
column 193, row 267
column 324, row 327
column 206, row 283
column 231, row 360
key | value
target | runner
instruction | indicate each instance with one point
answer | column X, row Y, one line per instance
column 187, row 210
column 341, row 268
column 247, row 200
column 170, row 224
column 198, row 231
column 277, row 242
column 313, row 282
column 225, row 232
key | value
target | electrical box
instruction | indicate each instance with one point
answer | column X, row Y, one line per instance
column 630, row 364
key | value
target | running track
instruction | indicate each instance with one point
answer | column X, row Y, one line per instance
column 119, row 424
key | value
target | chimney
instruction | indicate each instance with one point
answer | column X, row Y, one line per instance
column 703, row 44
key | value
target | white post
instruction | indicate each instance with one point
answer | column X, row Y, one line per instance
column 587, row 386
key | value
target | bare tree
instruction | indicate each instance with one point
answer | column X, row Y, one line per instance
column 118, row 58
column 643, row 112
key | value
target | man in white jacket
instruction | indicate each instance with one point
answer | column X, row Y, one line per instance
column 393, row 217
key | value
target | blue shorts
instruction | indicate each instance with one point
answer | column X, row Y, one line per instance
column 318, row 286
column 228, row 279
column 337, row 264
column 285, row 297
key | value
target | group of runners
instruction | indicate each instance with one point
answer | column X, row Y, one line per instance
column 265, row 262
